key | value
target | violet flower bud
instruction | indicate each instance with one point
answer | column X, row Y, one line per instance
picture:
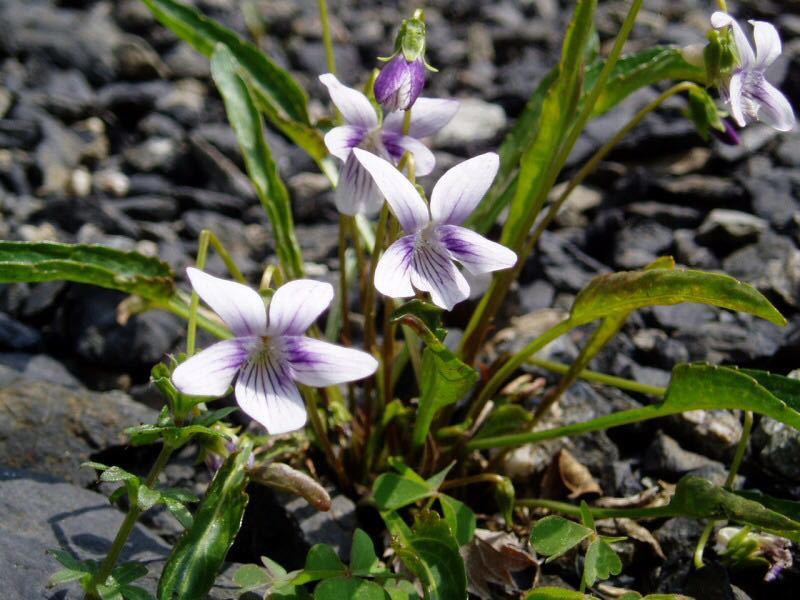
column 729, row 137
column 399, row 83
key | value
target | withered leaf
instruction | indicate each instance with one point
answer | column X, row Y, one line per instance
column 492, row 557
column 633, row 530
column 567, row 475
column 281, row 476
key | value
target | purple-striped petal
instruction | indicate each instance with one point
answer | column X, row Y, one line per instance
column 400, row 83
column 475, row 252
column 240, row 307
column 317, row 363
column 406, row 203
column 428, row 116
column 768, row 43
column 354, row 106
column 296, row 305
column 433, row 271
column 720, row 20
column 774, row 108
column 341, row 140
column 397, row 145
column 393, row 273
column 210, row 372
column 265, row 391
column 356, row 192
column 458, row 192
column 735, row 98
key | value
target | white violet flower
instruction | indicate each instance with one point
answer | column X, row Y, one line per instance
column 269, row 352
column 355, row 192
column 750, row 95
column 423, row 259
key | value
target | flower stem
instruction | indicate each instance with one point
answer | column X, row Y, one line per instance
column 477, row 328
column 723, row 6
column 110, row 561
column 343, row 291
column 194, row 303
column 741, row 448
column 589, row 167
column 618, row 382
column 311, row 395
column 327, row 41
column 493, row 478
column 651, row 512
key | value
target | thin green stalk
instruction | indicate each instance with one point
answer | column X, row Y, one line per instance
column 741, row 448
column 723, row 6
column 194, row 303
column 311, row 395
column 625, row 417
column 500, row 377
column 369, row 297
column 343, row 291
column 478, row 325
column 589, row 167
column 327, row 41
column 618, row 382
column 652, row 512
column 125, row 529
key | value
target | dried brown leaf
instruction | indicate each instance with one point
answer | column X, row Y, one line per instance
column 491, row 558
column 566, row 475
column 633, row 530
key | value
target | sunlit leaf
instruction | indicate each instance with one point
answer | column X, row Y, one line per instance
column 128, row 272
column 552, row 593
column 261, row 167
column 198, row 556
column 393, row 491
column 353, row 588
column 552, row 536
column 614, row 293
column 459, row 517
column 431, row 553
column 363, row 560
column 601, row 562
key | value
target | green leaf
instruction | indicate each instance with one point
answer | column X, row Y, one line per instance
column 431, row 553
column 552, row 536
column 363, row 560
column 322, row 562
column 198, row 556
column 179, row 511
column 601, row 562
column 261, row 167
column 459, row 517
column 281, row 98
column 115, row 474
column 133, row 592
column 128, row 272
column 613, row 293
column 146, row 497
column 505, row 419
column 67, row 575
column 788, row 508
column 635, row 71
column 401, row 589
column 701, row 386
column 785, row 388
column 251, row 577
column 348, row 588
column 552, row 593
column 695, row 497
column 558, row 112
column 445, row 380
column 394, row 491
column 128, row 572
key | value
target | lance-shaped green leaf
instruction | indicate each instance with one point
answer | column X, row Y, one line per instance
column 552, row 536
column 459, row 517
column 635, row 71
column 396, row 490
column 431, row 553
column 128, row 272
column 698, row 498
column 558, row 111
column 363, row 560
column 614, row 293
column 261, row 167
column 198, row 556
column 281, row 98
column 601, row 562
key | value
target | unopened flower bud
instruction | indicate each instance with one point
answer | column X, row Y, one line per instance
column 729, row 136
column 400, row 82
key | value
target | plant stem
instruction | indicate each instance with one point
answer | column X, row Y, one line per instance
column 327, row 41
column 618, row 382
column 723, row 6
column 652, row 512
column 110, row 561
column 311, row 395
column 589, row 167
column 741, row 448
column 482, row 478
column 478, row 325
column 369, row 297
column 343, row 291
column 194, row 303
column 514, row 363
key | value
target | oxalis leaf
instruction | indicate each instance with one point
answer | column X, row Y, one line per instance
column 198, row 556
column 552, row 536
column 613, row 293
column 353, row 588
column 281, row 98
column 261, row 167
column 128, row 272
column 601, row 562
column 431, row 553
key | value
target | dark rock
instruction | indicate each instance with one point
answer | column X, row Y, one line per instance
column 730, row 341
column 536, row 295
column 73, row 213
column 706, row 189
column 52, row 429
column 42, row 298
column 88, row 320
column 773, row 195
column 772, row 265
column 777, row 447
column 18, row 336
column 564, row 264
column 683, row 316
column 154, row 154
column 147, row 208
column 688, row 252
column 39, row 367
column 666, row 458
column 640, row 244
column 730, row 229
